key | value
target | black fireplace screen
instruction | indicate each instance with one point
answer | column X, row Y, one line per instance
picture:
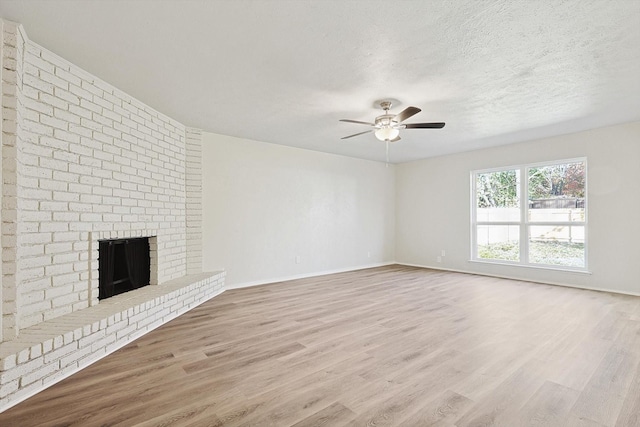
column 123, row 264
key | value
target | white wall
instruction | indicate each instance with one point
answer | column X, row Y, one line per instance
column 433, row 197
column 265, row 204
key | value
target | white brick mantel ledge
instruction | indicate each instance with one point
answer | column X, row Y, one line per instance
column 51, row 351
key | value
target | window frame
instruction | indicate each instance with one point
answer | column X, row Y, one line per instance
column 522, row 177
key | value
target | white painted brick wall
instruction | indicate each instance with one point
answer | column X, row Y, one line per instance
column 89, row 159
column 10, row 116
column 194, row 200
column 11, row 76
column 82, row 162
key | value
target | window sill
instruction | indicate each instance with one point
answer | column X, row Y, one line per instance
column 533, row 266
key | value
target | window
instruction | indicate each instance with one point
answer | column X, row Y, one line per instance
column 533, row 215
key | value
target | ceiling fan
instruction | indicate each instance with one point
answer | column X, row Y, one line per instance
column 387, row 126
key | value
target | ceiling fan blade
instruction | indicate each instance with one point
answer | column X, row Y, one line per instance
column 424, row 125
column 406, row 113
column 357, row 121
column 397, row 138
column 356, row 134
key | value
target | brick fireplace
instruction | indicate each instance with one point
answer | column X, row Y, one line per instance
column 84, row 162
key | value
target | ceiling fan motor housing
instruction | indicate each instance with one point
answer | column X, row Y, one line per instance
column 386, row 120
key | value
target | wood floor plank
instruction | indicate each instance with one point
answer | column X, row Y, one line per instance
column 391, row 410
column 574, row 368
column 442, row 410
column 502, row 405
column 191, row 414
column 550, row 406
column 394, row 345
column 576, row 421
column 603, row 397
column 630, row 412
column 332, row 415
column 312, row 393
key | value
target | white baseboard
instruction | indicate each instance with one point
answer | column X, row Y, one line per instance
column 306, row 275
column 503, row 276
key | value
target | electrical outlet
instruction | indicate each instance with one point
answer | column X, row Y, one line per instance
column 439, row 259
column 297, row 259
column 442, row 252
column 368, row 254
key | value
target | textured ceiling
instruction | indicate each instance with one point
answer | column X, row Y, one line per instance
column 496, row 72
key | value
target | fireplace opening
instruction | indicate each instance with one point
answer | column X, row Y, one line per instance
column 123, row 265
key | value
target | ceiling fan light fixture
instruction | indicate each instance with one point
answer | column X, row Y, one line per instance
column 387, row 133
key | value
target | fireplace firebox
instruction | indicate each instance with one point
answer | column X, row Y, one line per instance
column 123, row 265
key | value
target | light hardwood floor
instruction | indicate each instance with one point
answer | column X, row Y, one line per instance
column 395, row 346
